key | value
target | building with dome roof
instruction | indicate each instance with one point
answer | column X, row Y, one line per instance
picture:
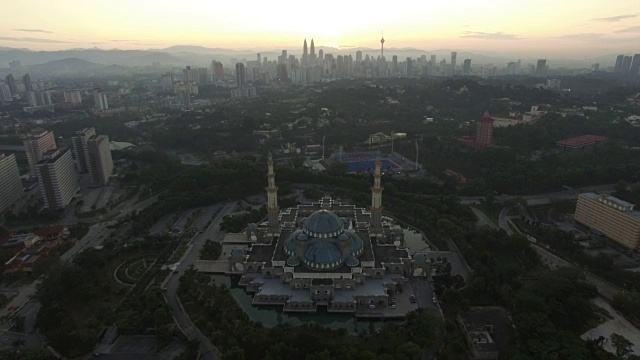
column 326, row 254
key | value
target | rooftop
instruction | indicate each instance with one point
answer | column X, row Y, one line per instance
column 618, row 204
column 582, row 140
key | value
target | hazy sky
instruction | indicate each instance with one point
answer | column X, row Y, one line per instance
column 545, row 28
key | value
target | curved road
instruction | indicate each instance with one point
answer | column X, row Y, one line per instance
column 605, row 288
column 208, row 351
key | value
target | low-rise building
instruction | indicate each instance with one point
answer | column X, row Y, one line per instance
column 580, row 142
column 615, row 218
column 487, row 330
column 29, row 249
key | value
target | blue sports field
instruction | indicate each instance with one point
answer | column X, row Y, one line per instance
column 369, row 165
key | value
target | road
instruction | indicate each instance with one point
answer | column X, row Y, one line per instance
column 483, row 219
column 503, row 221
column 605, row 289
column 207, row 349
column 541, row 199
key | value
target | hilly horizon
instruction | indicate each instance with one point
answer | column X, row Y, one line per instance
column 44, row 62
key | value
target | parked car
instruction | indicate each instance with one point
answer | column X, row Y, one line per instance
column 392, row 306
column 371, row 306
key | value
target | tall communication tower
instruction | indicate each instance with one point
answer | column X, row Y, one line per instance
column 382, row 46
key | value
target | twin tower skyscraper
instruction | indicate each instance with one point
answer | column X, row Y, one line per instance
column 308, row 58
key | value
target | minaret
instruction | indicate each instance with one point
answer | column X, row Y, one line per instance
column 382, row 46
column 305, row 54
column 376, row 200
column 272, row 199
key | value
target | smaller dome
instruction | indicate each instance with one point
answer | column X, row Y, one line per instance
column 237, row 252
column 343, row 237
column 351, row 262
column 293, row 261
column 420, row 258
column 252, row 226
column 302, row 237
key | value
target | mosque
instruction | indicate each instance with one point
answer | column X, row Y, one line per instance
column 327, row 254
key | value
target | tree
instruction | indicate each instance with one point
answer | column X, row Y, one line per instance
column 623, row 345
column 409, row 349
column 235, row 353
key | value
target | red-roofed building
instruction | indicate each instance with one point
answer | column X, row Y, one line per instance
column 50, row 233
column 580, row 142
column 484, row 131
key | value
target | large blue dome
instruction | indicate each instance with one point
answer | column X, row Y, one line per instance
column 323, row 224
column 323, row 255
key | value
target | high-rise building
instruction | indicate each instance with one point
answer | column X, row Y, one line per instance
column 28, row 85
column 626, row 65
column 615, row 218
column 218, row 71
column 166, row 81
column 635, row 65
column 305, row 54
column 101, row 163
column 541, row 67
column 466, row 68
column 39, row 142
column 184, row 96
column 281, row 72
column 10, row 185
column 259, row 59
column 618, row 67
column 408, row 67
column 484, row 131
column 241, row 75
column 5, row 93
column 57, row 178
column 100, row 100
column 80, row 149
column 394, row 65
column 312, row 52
column 454, row 56
column 38, row 98
column 11, row 82
column 321, row 55
column 358, row 57
column 73, row 96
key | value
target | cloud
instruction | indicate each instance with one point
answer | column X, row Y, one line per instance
column 489, row 36
column 601, row 38
column 122, row 40
column 35, row 40
column 615, row 18
column 633, row 29
column 35, row 30
column 582, row 36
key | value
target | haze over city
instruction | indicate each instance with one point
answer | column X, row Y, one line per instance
column 326, row 180
column 567, row 29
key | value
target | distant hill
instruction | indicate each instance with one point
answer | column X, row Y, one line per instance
column 65, row 66
column 93, row 61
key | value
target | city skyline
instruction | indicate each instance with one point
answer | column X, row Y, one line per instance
column 571, row 28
